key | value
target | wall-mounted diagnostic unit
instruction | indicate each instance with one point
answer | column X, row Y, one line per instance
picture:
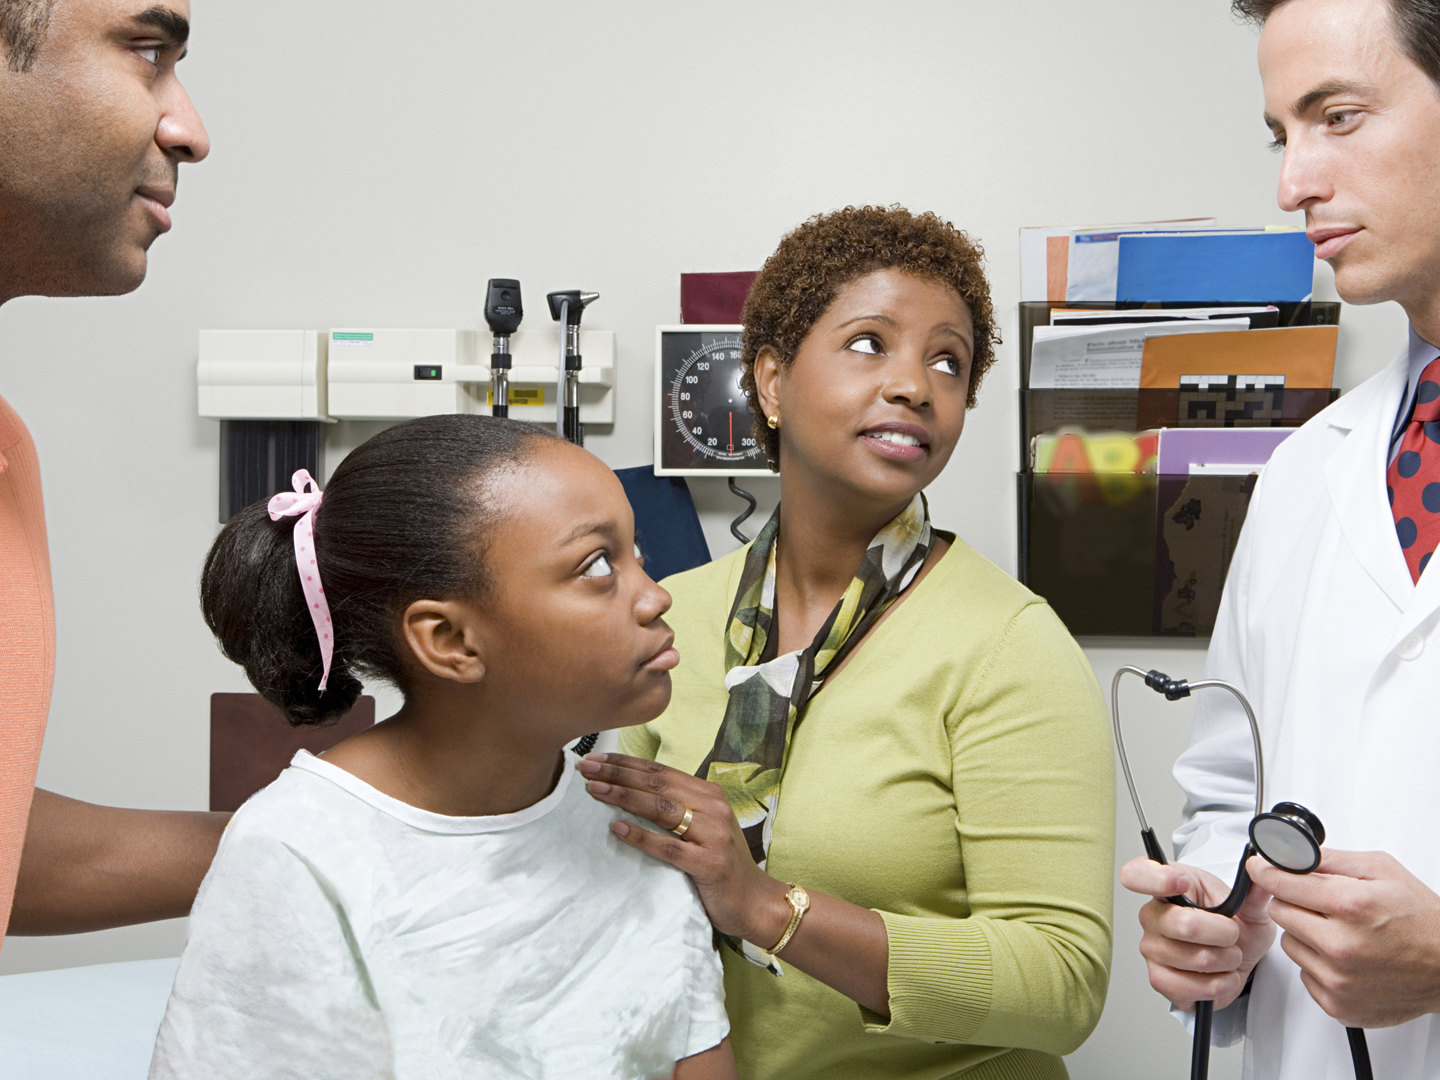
column 268, row 390
column 271, row 389
column 389, row 374
column 703, row 425
column 262, row 375
column 380, row 374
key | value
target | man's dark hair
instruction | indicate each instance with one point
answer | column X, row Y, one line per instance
column 22, row 30
column 1417, row 27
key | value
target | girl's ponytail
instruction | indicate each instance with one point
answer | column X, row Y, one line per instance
column 251, row 597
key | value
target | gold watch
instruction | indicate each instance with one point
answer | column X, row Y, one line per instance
column 799, row 901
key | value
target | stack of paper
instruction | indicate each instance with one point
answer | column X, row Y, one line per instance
column 1086, row 348
column 1045, row 254
column 1260, row 318
column 1106, row 357
column 1168, row 262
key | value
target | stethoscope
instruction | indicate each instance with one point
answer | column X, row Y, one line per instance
column 1288, row 836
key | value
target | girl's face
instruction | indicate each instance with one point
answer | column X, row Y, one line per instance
column 572, row 632
column 874, row 402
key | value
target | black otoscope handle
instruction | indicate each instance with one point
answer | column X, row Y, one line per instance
column 500, row 362
column 574, row 430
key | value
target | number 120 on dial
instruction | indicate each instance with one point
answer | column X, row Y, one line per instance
column 703, row 424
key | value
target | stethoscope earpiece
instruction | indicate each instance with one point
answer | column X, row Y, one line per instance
column 1288, row 837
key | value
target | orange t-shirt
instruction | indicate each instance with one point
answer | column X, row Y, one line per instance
column 27, row 642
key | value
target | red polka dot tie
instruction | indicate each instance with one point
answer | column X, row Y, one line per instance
column 1413, row 479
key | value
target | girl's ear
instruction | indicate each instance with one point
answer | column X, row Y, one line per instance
column 767, row 380
column 445, row 640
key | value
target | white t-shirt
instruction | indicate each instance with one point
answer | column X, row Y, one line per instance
column 344, row 934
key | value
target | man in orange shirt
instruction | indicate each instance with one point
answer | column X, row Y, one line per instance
column 93, row 128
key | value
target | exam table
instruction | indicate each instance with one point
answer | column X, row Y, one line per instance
column 85, row 1023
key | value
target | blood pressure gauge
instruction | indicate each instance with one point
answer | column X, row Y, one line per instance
column 703, row 425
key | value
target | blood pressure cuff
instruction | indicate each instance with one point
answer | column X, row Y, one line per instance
column 667, row 527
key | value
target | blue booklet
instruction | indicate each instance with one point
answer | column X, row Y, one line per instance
column 1216, row 267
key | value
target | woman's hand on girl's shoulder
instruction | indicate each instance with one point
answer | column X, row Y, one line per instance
column 717, row 1063
column 740, row 898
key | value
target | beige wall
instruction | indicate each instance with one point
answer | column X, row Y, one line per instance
column 373, row 166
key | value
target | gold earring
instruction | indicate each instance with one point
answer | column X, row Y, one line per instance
column 773, row 421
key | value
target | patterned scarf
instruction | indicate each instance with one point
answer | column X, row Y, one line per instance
column 769, row 693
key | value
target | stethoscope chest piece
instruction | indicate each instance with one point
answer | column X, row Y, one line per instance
column 1288, row 837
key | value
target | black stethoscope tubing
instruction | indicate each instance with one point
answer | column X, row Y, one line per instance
column 1174, row 690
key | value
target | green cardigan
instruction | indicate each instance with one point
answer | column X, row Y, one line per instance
column 956, row 777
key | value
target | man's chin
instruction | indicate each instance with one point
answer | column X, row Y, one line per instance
column 83, row 255
column 1361, row 285
column 116, row 275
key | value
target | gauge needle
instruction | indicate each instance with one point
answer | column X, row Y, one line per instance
column 731, row 448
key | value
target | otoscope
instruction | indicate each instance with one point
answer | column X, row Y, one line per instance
column 566, row 308
column 503, row 313
column 1288, row 837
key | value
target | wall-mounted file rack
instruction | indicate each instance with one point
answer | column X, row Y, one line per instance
column 1130, row 554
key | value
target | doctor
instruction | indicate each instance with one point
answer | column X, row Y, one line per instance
column 1330, row 623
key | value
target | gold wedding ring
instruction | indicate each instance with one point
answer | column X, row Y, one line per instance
column 684, row 825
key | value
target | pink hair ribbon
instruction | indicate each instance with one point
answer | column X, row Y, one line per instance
column 294, row 504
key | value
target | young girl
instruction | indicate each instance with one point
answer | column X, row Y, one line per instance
column 438, row 897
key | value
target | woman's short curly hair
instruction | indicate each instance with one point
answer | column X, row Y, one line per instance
column 799, row 282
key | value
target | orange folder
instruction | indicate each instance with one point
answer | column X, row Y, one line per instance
column 1305, row 355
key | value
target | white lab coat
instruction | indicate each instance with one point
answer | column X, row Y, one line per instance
column 1339, row 654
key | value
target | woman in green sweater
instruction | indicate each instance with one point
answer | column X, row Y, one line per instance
column 886, row 764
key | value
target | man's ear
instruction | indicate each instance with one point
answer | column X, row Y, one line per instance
column 767, row 380
column 444, row 637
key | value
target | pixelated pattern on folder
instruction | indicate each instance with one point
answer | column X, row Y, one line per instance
column 1231, row 400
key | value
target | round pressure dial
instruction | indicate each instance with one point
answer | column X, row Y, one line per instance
column 705, row 423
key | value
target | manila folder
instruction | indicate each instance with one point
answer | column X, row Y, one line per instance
column 1305, row 355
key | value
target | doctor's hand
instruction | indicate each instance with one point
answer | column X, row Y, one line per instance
column 1197, row 955
column 737, row 894
column 1365, row 933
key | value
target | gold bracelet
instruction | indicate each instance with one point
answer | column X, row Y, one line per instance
column 799, row 901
